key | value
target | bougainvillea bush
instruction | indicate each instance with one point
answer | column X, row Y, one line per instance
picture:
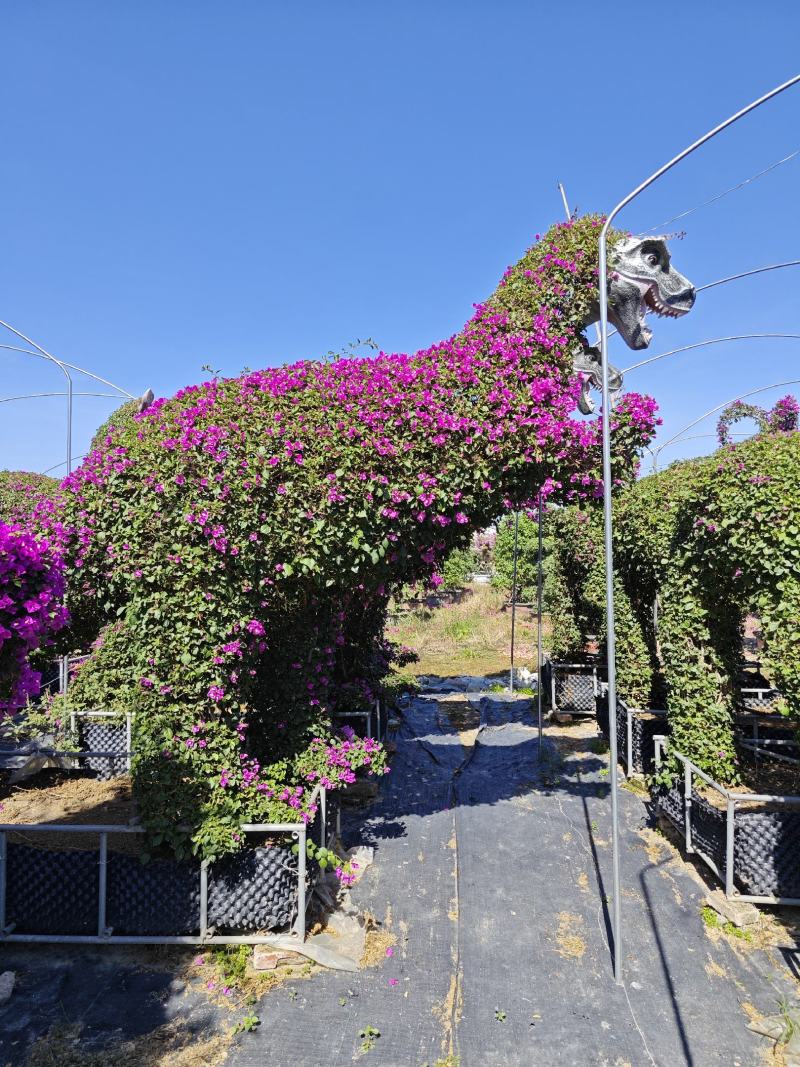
column 241, row 541
column 23, row 492
column 31, row 610
column 698, row 546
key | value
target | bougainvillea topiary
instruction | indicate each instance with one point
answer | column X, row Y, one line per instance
column 698, row 546
column 241, row 540
column 781, row 418
column 31, row 610
column 21, row 492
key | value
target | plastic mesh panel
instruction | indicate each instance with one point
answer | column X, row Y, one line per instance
column 575, row 692
column 51, row 892
column 104, row 735
column 253, row 890
column 767, row 852
column 161, row 897
column 708, row 830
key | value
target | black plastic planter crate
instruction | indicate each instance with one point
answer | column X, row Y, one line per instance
column 55, row 892
column 766, row 856
column 51, row 891
column 764, row 835
column 104, row 735
column 646, row 724
column 573, row 687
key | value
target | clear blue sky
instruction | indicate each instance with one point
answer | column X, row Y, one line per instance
column 246, row 183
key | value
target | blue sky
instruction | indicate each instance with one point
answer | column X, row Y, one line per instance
column 249, row 183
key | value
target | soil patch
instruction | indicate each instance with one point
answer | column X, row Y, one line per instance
column 54, row 797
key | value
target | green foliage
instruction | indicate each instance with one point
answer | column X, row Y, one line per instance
column 458, row 568
column 697, row 547
column 527, row 556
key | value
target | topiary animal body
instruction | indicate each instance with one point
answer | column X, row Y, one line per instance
column 245, row 536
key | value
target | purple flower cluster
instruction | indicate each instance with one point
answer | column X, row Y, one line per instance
column 31, row 610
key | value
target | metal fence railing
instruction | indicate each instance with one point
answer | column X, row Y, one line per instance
column 206, row 935
column 733, row 801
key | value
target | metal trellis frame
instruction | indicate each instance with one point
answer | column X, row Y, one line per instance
column 206, row 935
column 607, row 484
column 732, row 799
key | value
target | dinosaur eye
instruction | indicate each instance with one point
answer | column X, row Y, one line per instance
column 651, row 259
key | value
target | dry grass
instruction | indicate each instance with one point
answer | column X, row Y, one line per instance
column 171, row 1045
column 571, row 943
column 471, row 637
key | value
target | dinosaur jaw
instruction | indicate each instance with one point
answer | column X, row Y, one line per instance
column 654, row 303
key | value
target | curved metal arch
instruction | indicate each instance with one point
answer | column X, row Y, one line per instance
column 719, row 407
column 715, row 341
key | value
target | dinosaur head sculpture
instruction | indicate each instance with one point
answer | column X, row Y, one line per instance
column 644, row 280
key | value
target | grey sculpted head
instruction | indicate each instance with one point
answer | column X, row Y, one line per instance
column 644, row 280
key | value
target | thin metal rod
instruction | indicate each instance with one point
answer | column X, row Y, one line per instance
column 719, row 407
column 567, row 211
column 101, row 890
column 514, row 595
column 715, row 341
column 300, row 926
column 748, row 274
column 539, row 659
column 607, row 487
column 71, row 366
column 204, row 900
column 35, row 396
column 725, row 192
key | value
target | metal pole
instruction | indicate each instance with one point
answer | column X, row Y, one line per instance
column 539, row 628
column 564, row 201
column 514, row 595
column 101, row 891
column 607, row 486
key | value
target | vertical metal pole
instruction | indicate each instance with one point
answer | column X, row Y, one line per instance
column 687, row 804
column 552, row 687
column 300, row 925
column 539, row 658
column 514, row 595
column 603, row 294
column 128, row 739
column 730, row 823
column 203, row 900
column 628, row 738
column 101, row 891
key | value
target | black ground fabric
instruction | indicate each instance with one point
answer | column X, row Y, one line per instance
column 493, row 871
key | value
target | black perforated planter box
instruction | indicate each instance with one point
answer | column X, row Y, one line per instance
column 751, row 841
column 636, row 730
column 94, row 892
column 105, row 740
column 574, row 687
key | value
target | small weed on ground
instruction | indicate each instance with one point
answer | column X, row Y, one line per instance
column 712, row 921
column 369, row 1035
